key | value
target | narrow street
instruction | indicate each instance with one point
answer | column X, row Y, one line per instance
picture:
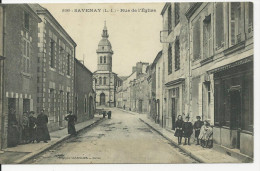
column 123, row 139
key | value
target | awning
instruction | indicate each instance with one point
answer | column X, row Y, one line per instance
column 231, row 62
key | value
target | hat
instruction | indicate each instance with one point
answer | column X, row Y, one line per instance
column 198, row 117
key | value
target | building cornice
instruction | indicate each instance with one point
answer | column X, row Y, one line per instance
column 192, row 9
column 175, row 82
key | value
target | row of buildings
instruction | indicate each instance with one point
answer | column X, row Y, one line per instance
column 39, row 70
column 205, row 68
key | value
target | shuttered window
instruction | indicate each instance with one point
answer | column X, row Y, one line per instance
column 196, row 40
column 235, row 19
column 250, row 18
column 169, row 59
column 219, row 25
column 52, row 58
column 177, row 13
column 169, row 19
column 177, row 54
column 207, row 37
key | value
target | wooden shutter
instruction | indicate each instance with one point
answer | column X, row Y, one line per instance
column 219, row 25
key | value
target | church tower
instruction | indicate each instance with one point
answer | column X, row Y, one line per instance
column 104, row 52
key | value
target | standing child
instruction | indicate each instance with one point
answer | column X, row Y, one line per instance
column 197, row 126
column 187, row 130
column 178, row 129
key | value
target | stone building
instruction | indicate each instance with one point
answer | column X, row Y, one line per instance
column 221, row 54
column 19, row 35
column 106, row 80
column 174, row 64
column 84, row 93
column 55, row 69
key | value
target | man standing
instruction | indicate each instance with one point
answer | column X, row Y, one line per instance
column 72, row 119
column 42, row 129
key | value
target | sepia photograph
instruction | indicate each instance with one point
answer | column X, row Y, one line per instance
column 127, row 83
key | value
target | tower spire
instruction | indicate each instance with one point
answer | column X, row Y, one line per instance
column 105, row 35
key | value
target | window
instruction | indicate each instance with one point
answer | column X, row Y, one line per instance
column 101, row 59
column 177, row 13
column 26, row 56
column 196, row 40
column 169, row 19
column 68, row 102
column 100, row 81
column 68, row 64
column 250, row 17
column 52, row 102
column 52, row 53
column 105, row 59
column 159, row 81
column 105, row 81
column 26, row 20
column 85, row 105
column 235, row 19
column 169, row 59
column 219, row 25
column 61, row 58
column 177, row 54
column 207, row 37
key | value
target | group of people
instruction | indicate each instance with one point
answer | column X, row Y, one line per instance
column 203, row 131
column 32, row 128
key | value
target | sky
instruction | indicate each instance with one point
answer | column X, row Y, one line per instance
column 135, row 36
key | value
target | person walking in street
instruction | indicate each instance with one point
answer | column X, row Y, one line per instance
column 187, row 130
column 197, row 126
column 72, row 119
column 25, row 127
column 13, row 133
column 178, row 129
column 32, row 126
column 42, row 129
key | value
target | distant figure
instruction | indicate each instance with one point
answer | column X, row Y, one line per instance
column 13, row 134
column 32, row 126
column 25, row 127
column 72, row 119
column 109, row 114
column 178, row 129
column 42, row 129
column 197, row 126
column 187, row 130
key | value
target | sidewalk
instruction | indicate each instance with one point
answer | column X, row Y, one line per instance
column 22, row 153
column 203, row 155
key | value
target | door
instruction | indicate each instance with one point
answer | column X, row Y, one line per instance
column 102, row 99
column 173, row 113
column 12, row 120
column 235, row 116
column 26, row 105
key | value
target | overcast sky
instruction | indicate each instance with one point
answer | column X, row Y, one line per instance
column 135, row 36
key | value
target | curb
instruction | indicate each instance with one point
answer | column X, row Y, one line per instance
column 200, row 160
column 38, row 152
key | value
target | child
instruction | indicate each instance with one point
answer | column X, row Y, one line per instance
column 178, row 129
column 208, row 137
column 197, row 126
column 203, row 132
column 187, row 130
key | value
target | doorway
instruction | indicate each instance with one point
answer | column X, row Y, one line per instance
column 140, row 106
column 60, row 107
column 235, row 115
column 102, row 99
column 90, row 112
column 26, row 105
column 173, row 113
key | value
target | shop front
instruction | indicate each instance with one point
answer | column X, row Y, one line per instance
column 233, row 106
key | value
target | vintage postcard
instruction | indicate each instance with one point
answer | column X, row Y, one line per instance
column 154, row 83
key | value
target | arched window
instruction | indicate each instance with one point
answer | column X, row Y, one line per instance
column 105, row 81
column 100, row 80
column 105, row 59
column 101, row 59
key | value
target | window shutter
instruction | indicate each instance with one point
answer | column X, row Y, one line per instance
column 219, row 25
column 232, row 24
column 196, row 40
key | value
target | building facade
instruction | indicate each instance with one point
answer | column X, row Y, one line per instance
column 175, row 96
column 19, row 34
column 55, row 69
column 221, row 53
column 84, row 93
column 106, row 80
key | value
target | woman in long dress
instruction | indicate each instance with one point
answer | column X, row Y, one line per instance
column 178, row 129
